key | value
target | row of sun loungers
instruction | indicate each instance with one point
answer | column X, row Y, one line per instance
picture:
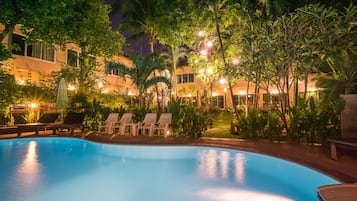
column 45, row 121
column 72, row 121
column 149, row 126
column 112, row 125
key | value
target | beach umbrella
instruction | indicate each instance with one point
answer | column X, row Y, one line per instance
column 61, row 100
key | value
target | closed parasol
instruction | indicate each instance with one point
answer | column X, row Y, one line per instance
column 61, row 100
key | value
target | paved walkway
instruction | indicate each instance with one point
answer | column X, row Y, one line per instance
column 316, row 157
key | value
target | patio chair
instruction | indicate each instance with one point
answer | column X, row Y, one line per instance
column 71, row 121
column 107, row 125
column 163, row 125
column 45, row 121
column 147, row 124
column 124, row 121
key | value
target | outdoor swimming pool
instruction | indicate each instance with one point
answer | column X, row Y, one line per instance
column 58, row 169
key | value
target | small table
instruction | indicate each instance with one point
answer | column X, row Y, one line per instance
column 31, row 127
column 346, row 144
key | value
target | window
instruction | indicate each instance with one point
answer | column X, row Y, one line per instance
column 240, row 100
column 218, row 101
column 315, row 94
column 189, row 100
column 191, row 77
column 178, row 79
column 115, row 72
column 18, row 44
column 185, row 78
column 74, row 59
column 270, row 100
column 39, row 50
column 112, row 71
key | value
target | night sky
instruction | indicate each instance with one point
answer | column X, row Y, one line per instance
column 140, row 47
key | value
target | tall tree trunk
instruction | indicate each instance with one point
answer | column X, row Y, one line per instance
column 246, row 99
column 151, row 44
column 296, row 92
column 174, row 81
column 256, row 89
column 286, row 97
column 226, row 66
column 9, row 27
column 306, row 79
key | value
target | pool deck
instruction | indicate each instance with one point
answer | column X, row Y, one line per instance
column 313, row 156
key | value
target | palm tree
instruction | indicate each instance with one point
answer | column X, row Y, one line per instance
column 172, row 58
column 135, row 20
column 141, row 73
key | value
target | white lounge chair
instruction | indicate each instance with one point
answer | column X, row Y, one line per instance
column 107, row 125
column 147, row 124
column 122, row 123
column 163, row 125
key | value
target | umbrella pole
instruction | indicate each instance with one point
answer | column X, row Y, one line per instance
column 62, row 116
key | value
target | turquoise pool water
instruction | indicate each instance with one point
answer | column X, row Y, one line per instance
column 67, row 169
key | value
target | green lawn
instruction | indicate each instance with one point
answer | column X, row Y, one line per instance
column 221, row 126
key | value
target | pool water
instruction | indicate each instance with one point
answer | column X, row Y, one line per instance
column 68, row 169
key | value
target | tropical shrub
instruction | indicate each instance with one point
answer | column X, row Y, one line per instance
column 251, row 126
column 176, row 109
column 274, row 127
column 79, row 103
column 312, row 123
column 186, row 121
column 36, row 94
column 8, row 90
column 139, row 114
column 259, row 124
column 95, row 111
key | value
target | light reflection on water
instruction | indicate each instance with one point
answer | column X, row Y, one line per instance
column 224, row 163
column 231, row 194
column 28, row 171
column 239, row 160
column 214, row 164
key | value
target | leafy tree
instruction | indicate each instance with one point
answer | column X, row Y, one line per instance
column 4, row 53
column 49, row 21
column 8, row 90
column 337, row 33
column 37, row 94
column 220, row 18
column 300, row 43
column 249, row 39
column 84, row 23
column 135, row 17
column 92, row 33
column 172, row 58
column 344, row 71
column 143, row 19
column 141, row 73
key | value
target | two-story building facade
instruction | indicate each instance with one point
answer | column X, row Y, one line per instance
column 33, row 64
